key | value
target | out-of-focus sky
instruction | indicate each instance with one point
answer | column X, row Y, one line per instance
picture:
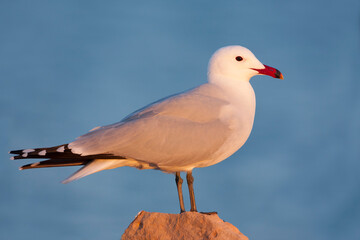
column 69, row 66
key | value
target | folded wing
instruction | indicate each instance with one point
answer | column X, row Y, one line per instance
column 179, row 131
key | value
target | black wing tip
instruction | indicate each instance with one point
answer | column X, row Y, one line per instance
column 46, row 152
column 16, row 151
column 29, row 166
column 17, row 157
column 57, row 156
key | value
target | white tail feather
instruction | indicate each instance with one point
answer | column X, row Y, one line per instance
column 95, row 166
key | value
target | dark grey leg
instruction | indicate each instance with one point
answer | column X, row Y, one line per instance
column 190, row 180
column 179, row 182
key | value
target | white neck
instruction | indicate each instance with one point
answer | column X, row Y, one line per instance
column 227, row 82
column 239, row 92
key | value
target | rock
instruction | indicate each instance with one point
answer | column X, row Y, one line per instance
column 187, row 225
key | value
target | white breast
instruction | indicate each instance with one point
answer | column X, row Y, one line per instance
column 239, row 116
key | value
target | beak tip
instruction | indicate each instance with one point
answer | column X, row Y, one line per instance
column 278, row 74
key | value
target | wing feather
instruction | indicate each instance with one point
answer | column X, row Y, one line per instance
column 178, row 131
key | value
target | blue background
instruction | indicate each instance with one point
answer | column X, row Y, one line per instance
column 69, row 66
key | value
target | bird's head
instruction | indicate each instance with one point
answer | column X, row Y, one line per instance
column 238, row 63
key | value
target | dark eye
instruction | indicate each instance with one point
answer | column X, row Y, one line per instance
column 239, row 58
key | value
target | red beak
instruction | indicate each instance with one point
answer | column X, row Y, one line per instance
column 272, row 72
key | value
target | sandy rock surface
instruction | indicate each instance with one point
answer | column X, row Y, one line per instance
column 188, row 225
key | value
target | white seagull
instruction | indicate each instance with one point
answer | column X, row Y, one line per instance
column 193, row 129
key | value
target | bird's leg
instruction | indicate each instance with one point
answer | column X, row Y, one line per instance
column 179, row 182
column 190, row 180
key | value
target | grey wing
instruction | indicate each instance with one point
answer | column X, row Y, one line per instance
column 178, row 131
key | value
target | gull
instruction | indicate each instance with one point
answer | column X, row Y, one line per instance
column 193, row 129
